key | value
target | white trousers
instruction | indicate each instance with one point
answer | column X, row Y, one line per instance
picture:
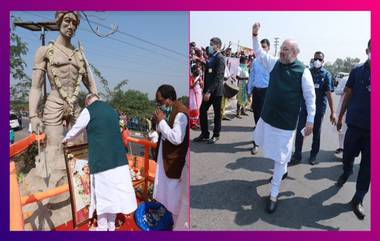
column 278, row 171
column 106, row 221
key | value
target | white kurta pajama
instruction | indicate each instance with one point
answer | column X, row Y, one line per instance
column 169, row 191
column 277, row 143
column 111, row 190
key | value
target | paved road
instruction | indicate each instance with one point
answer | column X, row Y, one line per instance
column 20, row 134
column 229, row 186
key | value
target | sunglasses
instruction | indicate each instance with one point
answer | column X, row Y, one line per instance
column 320, row 59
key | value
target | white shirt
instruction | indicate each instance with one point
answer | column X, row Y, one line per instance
column 79, row 126
column 268, row 62
column 153, row 136
column 341, row 85
column 169, row 191
column 177, row 134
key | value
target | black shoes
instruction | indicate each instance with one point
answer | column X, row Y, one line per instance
column 200, row 138
column 239, row 117
column 338, row 151
column 271, row 206
column 294, row 160
column 358, row 209
column 342, row 180
column 213, row 140
column 313, row 161
column 255, row 150
column 283, row 177
column 297, row 160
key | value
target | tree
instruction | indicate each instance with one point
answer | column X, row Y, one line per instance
column 18, row 48
column 133, row 103
column 103, row 81
column 184, row 100
column 341, row 65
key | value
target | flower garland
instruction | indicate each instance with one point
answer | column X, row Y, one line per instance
column 70, row 100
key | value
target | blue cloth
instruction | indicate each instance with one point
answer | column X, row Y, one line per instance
column 358, row 113
column 153, row 216
column 259, row 77
column 11, row 136
column 322, row 83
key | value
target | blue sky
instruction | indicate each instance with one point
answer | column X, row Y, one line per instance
column 337, row 34
column 145, row 66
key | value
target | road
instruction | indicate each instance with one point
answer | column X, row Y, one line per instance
column 229, row 186
column 20, row 134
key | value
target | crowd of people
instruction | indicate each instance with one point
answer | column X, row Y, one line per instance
column 288, row 100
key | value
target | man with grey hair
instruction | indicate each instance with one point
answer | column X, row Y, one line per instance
column 111, row 184
column 289, row 82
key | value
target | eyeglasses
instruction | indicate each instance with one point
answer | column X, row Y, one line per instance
column 320, row 59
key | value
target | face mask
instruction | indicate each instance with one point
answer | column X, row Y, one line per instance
column 211, row 50
column 317, row 64
column 167, row 110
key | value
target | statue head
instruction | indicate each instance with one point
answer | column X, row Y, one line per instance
column 67, row 22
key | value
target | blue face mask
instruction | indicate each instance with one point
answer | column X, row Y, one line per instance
column 210, row 50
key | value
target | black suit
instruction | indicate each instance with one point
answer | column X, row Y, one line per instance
column 214, row 76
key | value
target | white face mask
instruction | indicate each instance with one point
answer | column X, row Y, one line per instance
column 317, row 64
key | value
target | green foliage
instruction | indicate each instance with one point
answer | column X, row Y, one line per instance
column 102, row 80
column 17, row 105
column 184, row 100
column 18, row 49
column 120, row 85
column 341, row 65
column 133, row 103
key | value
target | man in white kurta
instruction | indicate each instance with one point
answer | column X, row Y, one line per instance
column 112, row 190
column 171, row 192
column 276, row 140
